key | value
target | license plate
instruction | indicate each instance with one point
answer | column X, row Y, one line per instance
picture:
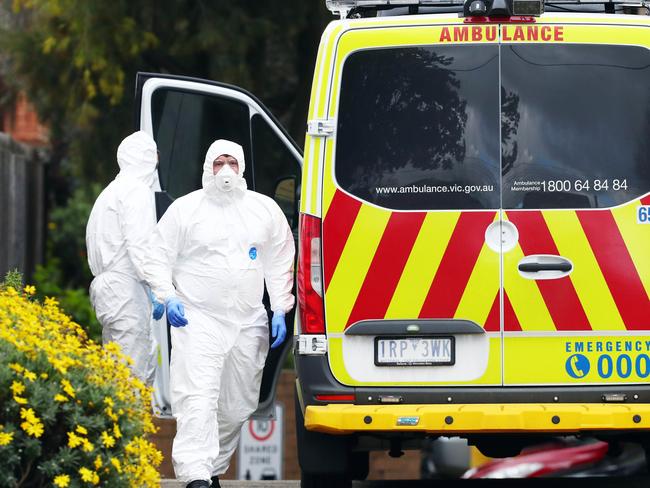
column 414, row 351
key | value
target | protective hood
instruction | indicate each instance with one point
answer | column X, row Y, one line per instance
column 217, row 186
column 137, row 156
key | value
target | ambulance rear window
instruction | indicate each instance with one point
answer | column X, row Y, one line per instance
column 418, row 127
column 575, row 125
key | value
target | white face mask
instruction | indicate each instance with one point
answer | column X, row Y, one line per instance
column 225, row 179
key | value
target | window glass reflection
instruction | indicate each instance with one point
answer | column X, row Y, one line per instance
column 418, row 127
column 575, row 125
column 184, row 126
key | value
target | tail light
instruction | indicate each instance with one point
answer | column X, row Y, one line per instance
column 335, row 398
column 310, row 276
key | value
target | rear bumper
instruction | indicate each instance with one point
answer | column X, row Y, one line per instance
column 477, row 418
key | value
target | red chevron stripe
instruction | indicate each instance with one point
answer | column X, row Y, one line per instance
column 337, row 226
column 645, row 200
column 387, row 266
column 559, row 295
column 617, row 266
column 457, row 263
column 510, row 320
column 493, row 321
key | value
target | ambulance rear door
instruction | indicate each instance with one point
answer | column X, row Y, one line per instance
column 576, row 180
column 410, row 189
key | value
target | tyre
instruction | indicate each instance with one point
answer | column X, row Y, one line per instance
column 359, row 465
column 324, row 481
column 326, row 460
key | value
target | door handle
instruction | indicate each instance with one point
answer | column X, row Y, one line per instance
column 544, row 267
column 537, row 267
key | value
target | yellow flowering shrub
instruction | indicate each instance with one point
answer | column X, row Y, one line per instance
column 71, row 413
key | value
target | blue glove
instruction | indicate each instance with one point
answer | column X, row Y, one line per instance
column 176, row 312
column 278, row 329
column 158, row 308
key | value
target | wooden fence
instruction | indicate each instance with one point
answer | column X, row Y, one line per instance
column 22, row 207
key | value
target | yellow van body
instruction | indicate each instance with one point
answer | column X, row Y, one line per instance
column 547, row 277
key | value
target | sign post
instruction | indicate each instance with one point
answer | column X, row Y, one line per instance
column 259, row 455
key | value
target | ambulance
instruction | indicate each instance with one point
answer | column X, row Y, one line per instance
column 473, row 220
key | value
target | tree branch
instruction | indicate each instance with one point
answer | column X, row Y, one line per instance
column 25, row 474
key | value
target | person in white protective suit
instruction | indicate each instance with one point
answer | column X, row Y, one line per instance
column 122, row 219
column 211, row 254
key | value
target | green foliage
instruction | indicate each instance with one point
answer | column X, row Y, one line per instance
column 66, row 275
column 67, row 235
column 13, row 278
column 77, row 61
column 72, row 34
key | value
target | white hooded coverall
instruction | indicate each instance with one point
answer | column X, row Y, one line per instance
column 122, row 219
column 214, row 250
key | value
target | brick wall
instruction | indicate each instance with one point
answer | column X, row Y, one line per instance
column 23, row 124
column 381, row 465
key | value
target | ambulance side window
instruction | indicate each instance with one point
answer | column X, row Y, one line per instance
column 184, row 125
column 276, row 169
column 575, row 125
column 418, row 127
